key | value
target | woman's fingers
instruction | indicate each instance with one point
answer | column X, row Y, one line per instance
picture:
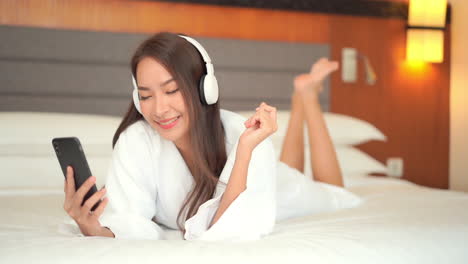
column 269, row 109
column 70, row 183
column 265, row 120
column 265, row 107
column 260, row 110
column 100, row 209
column 247, row 122
column 252, row 121
column 268, row 122
column 87, row 221
column 88, row 205
column 69, row 190
column 259, row 126
column 83, row 190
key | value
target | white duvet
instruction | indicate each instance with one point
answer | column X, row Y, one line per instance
column 398, row 222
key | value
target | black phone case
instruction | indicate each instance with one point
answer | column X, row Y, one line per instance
column 70, row 153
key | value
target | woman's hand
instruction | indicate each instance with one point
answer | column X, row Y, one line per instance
column 86, row 219
column 312, row 81
column 258, row 127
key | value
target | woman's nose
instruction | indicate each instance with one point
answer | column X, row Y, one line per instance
column 161, row 106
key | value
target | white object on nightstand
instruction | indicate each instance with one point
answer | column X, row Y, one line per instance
column 349, row 65
column 395, row 167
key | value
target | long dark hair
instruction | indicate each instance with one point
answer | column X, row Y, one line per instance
column 183, row 61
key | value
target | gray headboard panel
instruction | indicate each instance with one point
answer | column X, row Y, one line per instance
column 88, row 72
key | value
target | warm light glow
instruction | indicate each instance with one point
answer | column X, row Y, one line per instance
column 429, row 13
column 415, row 66
column 425, row 45
column 416, row 71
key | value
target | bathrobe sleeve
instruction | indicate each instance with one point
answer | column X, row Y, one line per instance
column 252, row 213
column 131, row 187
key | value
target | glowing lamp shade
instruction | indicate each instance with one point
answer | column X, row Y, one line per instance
column 429, row 13
column 425, row 33
column 425, row 45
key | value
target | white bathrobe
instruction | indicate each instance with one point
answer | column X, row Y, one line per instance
column 148, row 181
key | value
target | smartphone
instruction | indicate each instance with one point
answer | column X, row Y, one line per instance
column 70, row 153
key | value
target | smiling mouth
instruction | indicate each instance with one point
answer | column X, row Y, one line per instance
column 167, row 121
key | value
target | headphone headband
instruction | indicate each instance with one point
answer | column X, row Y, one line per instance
column 199, row 47
column 208, row 87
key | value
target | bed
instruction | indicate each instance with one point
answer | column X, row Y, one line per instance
column 397, row 222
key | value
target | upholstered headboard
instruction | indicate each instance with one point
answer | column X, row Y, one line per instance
column 70, row 71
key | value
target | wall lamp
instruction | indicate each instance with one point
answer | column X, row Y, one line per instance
column 350, row 57
column 425, row 30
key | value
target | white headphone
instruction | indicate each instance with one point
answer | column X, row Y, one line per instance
column 208, row 87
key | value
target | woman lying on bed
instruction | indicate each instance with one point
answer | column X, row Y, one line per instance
column 181, row 162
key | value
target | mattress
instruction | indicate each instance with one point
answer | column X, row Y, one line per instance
column 398, row 222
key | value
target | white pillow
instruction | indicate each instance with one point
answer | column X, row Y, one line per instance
column 343, row 129
column 347, row 130
column 43, row 172
column 352, row 161
column 27, row 158
column 355, row 161
column 29, row 128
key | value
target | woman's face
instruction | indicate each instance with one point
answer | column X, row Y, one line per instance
column 161, row 101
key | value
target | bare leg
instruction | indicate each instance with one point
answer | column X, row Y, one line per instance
column 325, row 167
column 292, row 151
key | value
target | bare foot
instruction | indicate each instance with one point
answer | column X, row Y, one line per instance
column 313, row 81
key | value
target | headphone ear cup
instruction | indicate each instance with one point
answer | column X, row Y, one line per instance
column 201, row 90
column 136, row 101
column 211, row 89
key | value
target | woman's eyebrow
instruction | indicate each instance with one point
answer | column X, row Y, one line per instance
column 161, row 85
column 166, row 82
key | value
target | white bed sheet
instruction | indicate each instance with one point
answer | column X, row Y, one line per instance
column 399, row 222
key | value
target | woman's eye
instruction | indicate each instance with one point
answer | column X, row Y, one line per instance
column 144, row 97
column 173, row 91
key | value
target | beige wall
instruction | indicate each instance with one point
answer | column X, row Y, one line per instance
column 459, row 97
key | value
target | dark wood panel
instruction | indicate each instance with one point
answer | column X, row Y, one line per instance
column 384, row 9
column 409, row 103
column 149, row 17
